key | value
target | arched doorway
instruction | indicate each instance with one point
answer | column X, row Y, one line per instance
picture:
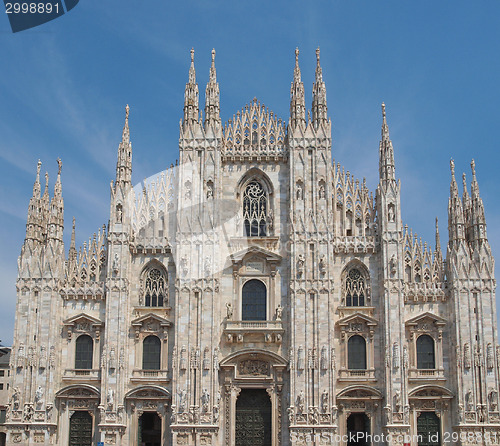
column 149, row 429
column 358, row 429
column 80, row 429
column 253, row 418
column 428, row 428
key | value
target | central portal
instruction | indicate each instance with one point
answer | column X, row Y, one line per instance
column 149, row 429
column 253, row 418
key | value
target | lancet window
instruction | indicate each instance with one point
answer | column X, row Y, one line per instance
column 255, row 210
column 355, row 289
column 155, row 286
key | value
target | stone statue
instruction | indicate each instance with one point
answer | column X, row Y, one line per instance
column 391, row 213
column 279, row 312
column 28, row 413
column 182, row 400
column 110, row 399
column 205, row 400
column 116, row 263
column 324, row 401
column 39, row 397
column 300, row 191
column 14, row 399
column 301, row 261
column 229, row 311
column 301, row 402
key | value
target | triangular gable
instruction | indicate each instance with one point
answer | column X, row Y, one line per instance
column 151, row 316
column 268, row 255
column 83, row 317
column 427, row 315
column 357, row 317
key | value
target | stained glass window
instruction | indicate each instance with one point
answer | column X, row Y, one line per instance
column 355, row 289
column 154, row 290
column 255, row 210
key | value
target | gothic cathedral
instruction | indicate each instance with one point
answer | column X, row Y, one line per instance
column 255, row 294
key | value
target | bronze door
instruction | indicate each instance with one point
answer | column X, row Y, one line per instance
column 80, row 429
column 428, row 428
column 253, row 418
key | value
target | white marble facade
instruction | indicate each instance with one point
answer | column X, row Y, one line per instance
column 360, row 324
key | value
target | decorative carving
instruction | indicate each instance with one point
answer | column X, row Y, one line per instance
column 14, row 399
column 300, row 358
column 493, row 400
column 183, row 360
column 254, row 367
column 467, row 358
column 301, row 261
column 324, row 358
column 489, row 356
column 395, row 356
column 279, row 312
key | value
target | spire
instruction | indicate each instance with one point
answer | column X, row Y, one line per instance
column 212, row 101
column 297, row 98
column 72, row 246
column 56, row 218
column 124, row 162
column 438, row 242
column 191, row 107
column 477, row 218
column 387, row 169
column 456, row 220
column 33, row 221
column 319, row 107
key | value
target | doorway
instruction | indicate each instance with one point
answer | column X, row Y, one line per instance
column 358, row 429
column 428, row 427
column 80, row 429
column 149, row 429
column 253, row 418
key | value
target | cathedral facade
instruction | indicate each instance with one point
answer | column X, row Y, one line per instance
column 255, row 293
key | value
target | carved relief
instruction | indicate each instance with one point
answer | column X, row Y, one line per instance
column 253, row 367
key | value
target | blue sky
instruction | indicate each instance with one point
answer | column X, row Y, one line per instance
column 64, row 86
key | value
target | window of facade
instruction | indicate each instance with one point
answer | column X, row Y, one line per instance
column 254, row 301
column 151, row 353
column 425, row 352
column 355, row 288
column 84, row 350
column 255, row 210
column 154, row 288
column 356, row 353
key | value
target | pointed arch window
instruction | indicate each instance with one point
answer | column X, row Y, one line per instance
column 151, row 353
column 255, row 209
column 84, row 350
column 355, row 288
column 155, row 286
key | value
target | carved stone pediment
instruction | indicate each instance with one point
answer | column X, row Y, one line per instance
column 83, row 323
column 151, row 323
column 430, row 319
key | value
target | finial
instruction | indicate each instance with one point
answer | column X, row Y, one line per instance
column 38, row 166
column 127, row 110
column 192, row 55
column 464, row 182
column 452, row 167
column 46, row 179
column 473, row 167
column 317, row 55
column 59, row 165
column 213, row 55
column 74, row 221
column 437, row 228
column 383, row 110
column 297, row 55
